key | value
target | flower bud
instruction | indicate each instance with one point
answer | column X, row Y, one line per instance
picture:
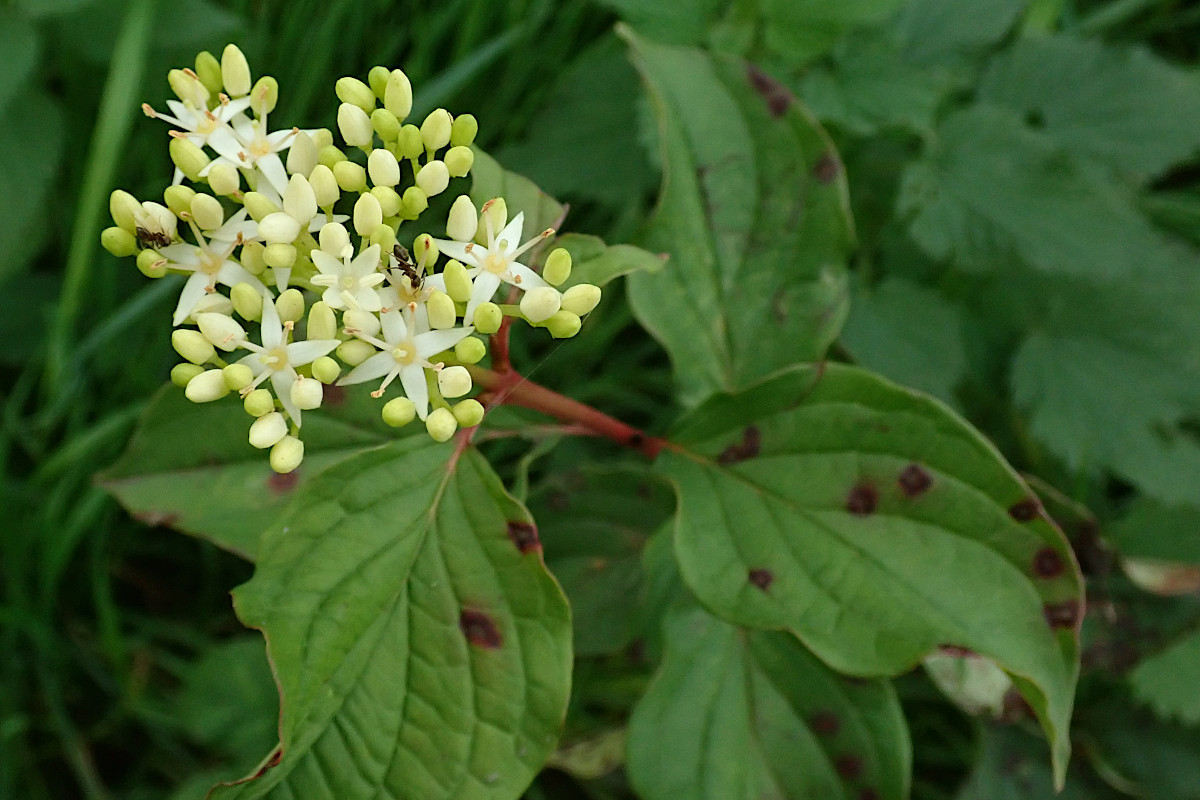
column 287, row 454
column 487, row 319
column 367, row 214
column 441, row 424
column 355, row 126
column 192, row 345
column 495, row 210
column 124, row 207
column 581, row 299
column 208, row 70
column 206, row 387
column 290, row 305
column 235, row 72
column 224, row 180
column 355, row 92
column 558, row 267
column 188, row 88
column 415, row 202
column 264, row 96
column 377, row 79
column 355, row 351
column 409, row 142
column 385, row 124
column 151, row 264
column 222, row 331
column 330, row 156
column 279, row 227
column 468, row 413
column 302, row 156
column 364, row 322
column 383, row 168
column 335, row 240
column 441, row 311
column 350, row 177
column 254, row 257
column 157, row 218
column 247, row 302
column 459, row 161
column 425, row 251
column 306, row 393
column 397, row 94
column 470, row 350
column 463, row 130
column 540, row 304
column 389, row 201
column 119, row 242
column 213, row 303
column 326, row 370
column 299, row 201
column 259, row 402
column 384, row 236
column 325, row 187
column 454, row 381
column 563, row 325
column 458, row 282
column 207, row 212
column 463, row 220
column 179, row 199
column 182, row 374
column 237, row 376
column 259, row 206
column 433, row 178
column 435, row 130
column 268, row 430
column 190, row 159
column 399, row 411
column 322, row 322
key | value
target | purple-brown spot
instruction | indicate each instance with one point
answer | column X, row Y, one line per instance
column 914, row 480
column 1047, row 563
column 824, row 723
column 848, row 766
column 749, row 447
column 868, row 794
column 955, row 651
column 276, row 757
column 479, row 629
column 761, row 578
column 283, row 483
column 334, row 395
column 524, row 535
column 775, row 93
column 827, row 168
column 1025, row 510
column 1062, row 615
column 862, row 500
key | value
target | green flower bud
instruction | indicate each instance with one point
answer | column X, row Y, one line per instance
column 425, row 251
column 330, row 155
column 247, row 302
column 468, row 413
column 355, row 126
column 259, row 402
column 399, row 411
column 192, row 345
column 459, row 161
column 235, row 72
column 355, row 92
column 322, row 136
column 433, row 178
column 207, row 212
column 563, row 325
column 206, row 387
column 385, row 236
column 383, row 168
column 488, row 317
column 179, row 199
column 124, row 207
column 324, row 185
column 118, row 241
column 470, row 350
column 254, row 257
column 415, row 202
column 237, row 376
column 151, row 264
column 280, row 256
column 581, row 299
column 290, row 305
column 385, row 124
column 334, row 239
column 377, row 78
column 463, row 220
column 299, row 201
column 435, row 130
column 224, row 180
column 458, row 283
column 558, row 267
column 367, row 214
column 259, row 206
column 306, row 393
column 322, row 322
column 188, row 157
column 213, row 303
column 268, row 430
column 441, row 424
column 355, row 351
column 326, row 370
column 287, row 454
column 454, row 381
column 389, row 201
column 188, row 88
column 208, row 70
column 462, row 132
column 496, row 211
column 302, row 156
column 224, row 332
column 397, row 94
column 364, row 322
column 182, row 374
column 279, row 227
column 264, row 96
column 409, row 142
column 441, row 311
column 540, row 304
column 350, row 176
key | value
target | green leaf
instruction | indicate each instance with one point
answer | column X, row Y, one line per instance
column 489, row 179
column 19, row 47
column 754, row 214
column 939, row 31
column 228, row 701
column 185, row 454
column 875, row 525
column 31, row 146
column 422, row 649
column 677, row 22
column 744, row 715
column 1123, row 107
column 1141, row 755
column 1167, row 681
column 1012, row 766
column 597, row 263
column 1152, row 530
column 801, row 30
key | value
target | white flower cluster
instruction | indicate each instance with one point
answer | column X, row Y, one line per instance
column 251, row 218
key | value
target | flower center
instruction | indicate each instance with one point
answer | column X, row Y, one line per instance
column 404, row 354
column 275, row 358
column 349, row 283
column 210, row 263
column 495, row 263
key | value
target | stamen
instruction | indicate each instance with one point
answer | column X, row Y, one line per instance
column 148, row 111
column 532, row 242
column 190, row 73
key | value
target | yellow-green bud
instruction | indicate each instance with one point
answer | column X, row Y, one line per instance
column 188, row 88
column 259, row 402
column 409, row 142
column 384, row 235
column 385, row 124
column 415, row 202
column 259, row 206
column 192, row 345
column 441, row 424
column 350, row 176
column 425, row 251
column 488, row 317
column 224, row 180
column 326, row 370
column 268, row 430
column 399, row 411
column 459, row 161
column 279, row 227
column 433, row 178
column 454, row 381
column 179, row 199
column 335, row 240
column 188, row 157
column 463, row 220
column 377, row 79
column 322, row 322
column 330, row 155
column 306, row 393
column 354, row 125
column 389, row 201
column 470, row 350
column 581, row 299
column 355, row 351
column 287, row 454
column 563, row 325
column 324, row 185
column 468, row 413
column 182, row 374
column 441, row 311
column 212, row 303
column 235, row 72
column 362, row 321
column 558, row 267
column 237, row 376
column 458, row 282
column 124, row 207
column 540, row 304
column 280, row 255
column 151, row 264
column 207, row 212
column 367, row 214
column 302, row 156
column 355, row 92
column 383, row 168
column 247, row 302
column 290, row 305
column 495, row 210
column 463, row 130
column 264, row 95
column 322, row 136
column 435, row 130
column 118, row 241
column 206, row 387
column 254, row 257
column 224, row 332
column 299, row 201
column 208, row 70
column 397, row 94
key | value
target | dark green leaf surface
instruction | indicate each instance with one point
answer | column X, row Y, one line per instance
column 677, row 22
column 1152, row 530
column 31, row 144
column 754, row 214
column 19, row 46
column 597, row 263
column 489, row 179
column 876, row 525
column 1012, row 766
column 422, row 649
column 801, row 30
column 1167, row 681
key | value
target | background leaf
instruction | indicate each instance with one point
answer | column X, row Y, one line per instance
column 1167, row 681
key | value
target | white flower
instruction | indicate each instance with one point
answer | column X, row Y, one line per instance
column 496, row 263
column 245, row 144
column 349, row 284
column 404, row 355
column 210, row 263
column 200, row 123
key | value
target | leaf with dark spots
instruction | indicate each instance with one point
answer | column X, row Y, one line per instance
column 282, row 483
column 524, row 535
column 777, row 96
column 824, row 723
column 1063, row 615
column 914, row 480
column 761, row 578
column 827, row 168
column 1048, row 563
column 848, row 766
column 480, row 629
column 1025, row 510
column 862, row 500
column 748, row 448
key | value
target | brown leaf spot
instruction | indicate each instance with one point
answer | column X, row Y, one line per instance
column 914, row 480
column 868, row 794
column 1047, row 563
column 762, row 578
column 775, row 93
column 1062, row 615
column 273, row 761
column 524, row 535
column 334, row 395
column 848, row 766
column 283, row 483
column 862, row 500
column 954, row 650
column 827, row 168
column 1025, row 510
column 748, row 448
column 479, row 629
column 824, row 723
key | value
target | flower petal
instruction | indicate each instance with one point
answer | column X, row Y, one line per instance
column 511, row 234
column 308, row 351
column 528, row 278
column 458, row 250
column 436, row 341
column 281, row 381
column 485, row 286
column 195, row 288
column 373, row 368
column 394, row 329
column 272, row 169
column 412, row 378
column 272, row 328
